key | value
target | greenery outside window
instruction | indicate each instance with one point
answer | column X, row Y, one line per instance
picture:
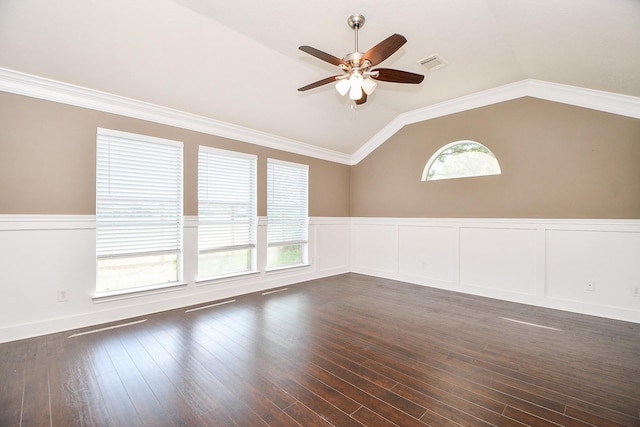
column 287, row 214
column 461, row 159
column 227, row 213
column 138, row 211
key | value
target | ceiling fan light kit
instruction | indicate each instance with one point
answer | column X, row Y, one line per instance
column 343, row 86
column 369, row 85
column 359, row 79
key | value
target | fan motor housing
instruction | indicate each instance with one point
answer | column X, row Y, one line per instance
column 354, row 58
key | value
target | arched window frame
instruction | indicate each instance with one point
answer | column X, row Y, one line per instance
column 443, row 149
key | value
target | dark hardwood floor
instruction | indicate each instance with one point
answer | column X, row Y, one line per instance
column 349, row 350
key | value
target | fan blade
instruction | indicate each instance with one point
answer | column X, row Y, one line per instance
column 322, row 55
column 384, row 49
column 397, row 76
column 318, row 83
column 362, row 100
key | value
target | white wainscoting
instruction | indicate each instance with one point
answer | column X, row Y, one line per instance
column 40, row 255
column 538, row 262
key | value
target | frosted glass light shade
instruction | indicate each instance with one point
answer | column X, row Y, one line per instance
column 343, row 86
column 369, row 85
column 355, row 93
column 356, row 86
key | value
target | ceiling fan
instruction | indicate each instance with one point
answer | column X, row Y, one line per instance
column 359, row 78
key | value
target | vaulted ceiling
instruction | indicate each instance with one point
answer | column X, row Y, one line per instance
column 238, row 61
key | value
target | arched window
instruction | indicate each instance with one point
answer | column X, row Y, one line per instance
column 461, row 159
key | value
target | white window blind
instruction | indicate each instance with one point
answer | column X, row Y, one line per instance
column 138, row 195
column 227, row 213
column 287, row 203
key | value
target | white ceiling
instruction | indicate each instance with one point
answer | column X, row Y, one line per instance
column 238, row 61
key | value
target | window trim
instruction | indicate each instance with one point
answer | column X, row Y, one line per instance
column 304, row 242
column 441, row 150
column 104, row 136
column 253, row 221
column 140, row 291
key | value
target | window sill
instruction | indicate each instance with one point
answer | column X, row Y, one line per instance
column 204, row 281
column 122, row 294
column 287, row 268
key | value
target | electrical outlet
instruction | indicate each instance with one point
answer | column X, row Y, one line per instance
column 635, row 291
column 424, row 265
column 590, row 286
column 63, row 295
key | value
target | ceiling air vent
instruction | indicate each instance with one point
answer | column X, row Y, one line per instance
column 433, row 62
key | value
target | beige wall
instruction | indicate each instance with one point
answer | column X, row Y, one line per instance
column 557, row 161
column 47, row 160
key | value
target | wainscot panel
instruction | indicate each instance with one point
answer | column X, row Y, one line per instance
column 429, row 252
column 584, row 266
column 41, row 255
column 498, row 258
column 374, row 248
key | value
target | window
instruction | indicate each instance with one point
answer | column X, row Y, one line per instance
column 461, row 159
column 227, row 215
column 138, row 210
column 287, row 214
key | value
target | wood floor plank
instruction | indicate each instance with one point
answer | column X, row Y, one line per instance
column 370, row 418
column 74, row 382
column 12, row 377
column 141, row 395
column 173, row 402
column 35, row 407
column 436, row 420
column 545, row 419
column 281, row 374
column 216, row 348
column 201, row 384
column 328, row 393
column 258, row 402
column 64, row 411
column 441, row 409
column 429, row 364
column 185, row 401
column 347, row 350
column 306, row 417
column 391, row 412
column 115, row 398
column 602, row 419
column 384, row 409
column 334, row 355
column 382, row 394
column 497, row 408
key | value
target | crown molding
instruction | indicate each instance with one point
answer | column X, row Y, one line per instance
column 38, row 87
column 608, row 102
